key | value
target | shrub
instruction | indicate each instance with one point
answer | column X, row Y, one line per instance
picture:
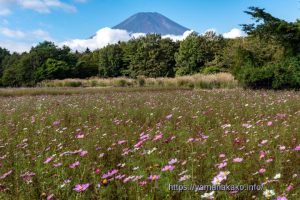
column 73, row 84
column 211, row 70
column 141, row 81
column 121, row 83
column 283, row 75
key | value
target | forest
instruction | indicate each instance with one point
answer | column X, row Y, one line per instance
column 267, row 58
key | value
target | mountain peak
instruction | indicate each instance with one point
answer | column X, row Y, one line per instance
column 151, row 22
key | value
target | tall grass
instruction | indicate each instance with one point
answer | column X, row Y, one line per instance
column 201, row 81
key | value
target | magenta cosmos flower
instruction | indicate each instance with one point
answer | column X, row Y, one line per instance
column 297, row 148
column 81, row 187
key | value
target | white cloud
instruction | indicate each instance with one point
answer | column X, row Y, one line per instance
column 4, row 11
column 16, row 46
column 234, row 33
column 38, row 34
column 12, row 33
column 41, row 6
column 107, row 36
column 178, row 37
column 41, row 34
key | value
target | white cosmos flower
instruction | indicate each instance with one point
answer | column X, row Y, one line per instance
column 208, row 195
column 277, row 176
column 268, row 193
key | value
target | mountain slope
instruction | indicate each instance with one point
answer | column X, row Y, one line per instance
column 151, row 22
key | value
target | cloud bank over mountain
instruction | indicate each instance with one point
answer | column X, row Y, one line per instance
column 107, row 36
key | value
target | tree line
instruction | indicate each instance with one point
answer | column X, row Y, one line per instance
column 269, row 57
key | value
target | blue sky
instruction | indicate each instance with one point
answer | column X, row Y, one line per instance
column 27, row 22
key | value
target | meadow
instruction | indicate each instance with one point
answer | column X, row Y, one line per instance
column 131, row 143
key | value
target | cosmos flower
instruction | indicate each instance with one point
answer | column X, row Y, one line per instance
column 169, row 116
column 83, row 153
column 222, row 155
column 153, row 177
column 56, row 123
column 6, row 174
column 277, row 176
column 80, row 135
column 172, row 161
column 289, row 187
column 81, row 187
column 262, row 154
column 110, row 173
column 222, row 165
column 264, row 142
column 97, row 170
column 75, row 164
column 268, row 193
column 50, row 197
column 262, row 170
column 209, row 195
column 297, row 148
column 157, row 137
column 270, row 123
column 49, row 159
column 57, row 164
column 142, row 183
column 237, row 160
column 168, row 168
column 281, row 198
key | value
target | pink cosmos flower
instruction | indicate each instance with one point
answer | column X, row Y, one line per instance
column 184, row 178
column 80, row 135
column 122, row 142
column 6, row 174
column 289, row 187
column 169, row 116
column 297, row 148
column 142, row 183
column 281, row 147
column 281, row 198
column 262, row 154
column 81, row 187
column 56, row 123
column 270, row 123
column 222, row 165
column 49, row 159
column 57, row 164
column 269, row 160
column 262, row 170
column 168, row 168
column 222, row 155
column 237, row 160
column 83, row 153
column 153, row 177
column 139, row 144
column 264, row 142
column 50, row 197
column 75, row 164
column 157, row 137
column 110, row 173
column 172, row 161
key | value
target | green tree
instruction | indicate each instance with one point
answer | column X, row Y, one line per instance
column 267, row 27
column 110, row 61
column 151, row 56
column 54, row 69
